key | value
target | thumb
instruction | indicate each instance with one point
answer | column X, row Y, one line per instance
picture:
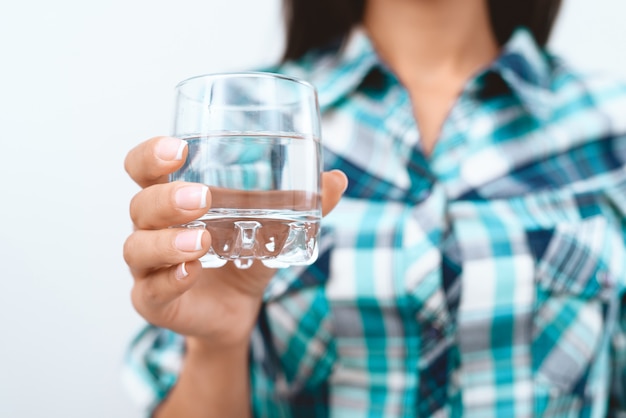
column 334, row 183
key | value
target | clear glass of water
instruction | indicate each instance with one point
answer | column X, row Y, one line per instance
column 254, row 140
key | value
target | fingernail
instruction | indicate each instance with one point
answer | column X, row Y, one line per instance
column 191, row 197
column 189, row 240
column 170, row 149
column 181, row 272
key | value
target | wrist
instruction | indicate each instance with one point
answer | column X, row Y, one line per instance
column 204, row 347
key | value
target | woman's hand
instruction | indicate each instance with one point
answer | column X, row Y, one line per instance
column 218, row 307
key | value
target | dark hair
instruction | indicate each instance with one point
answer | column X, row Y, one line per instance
column 316, row 23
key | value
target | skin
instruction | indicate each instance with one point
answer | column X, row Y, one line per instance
column 214, row 308
column 434, row 46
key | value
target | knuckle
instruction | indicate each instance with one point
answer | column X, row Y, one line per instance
column 130, row 160
column 133, row 164
column 134, row 210
column 129, row 250
column 162, row 203
column 136, row 300
column 164, row 199
column 151, row 207
column 128, row 165
column 151, row 295
column 143, row 300
column 151, row 164
column 167, row 246
column 142, row 165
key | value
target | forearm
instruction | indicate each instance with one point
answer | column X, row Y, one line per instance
column 212, row 383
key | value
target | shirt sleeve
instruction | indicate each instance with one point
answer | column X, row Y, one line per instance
column 265, row 402
column 617, row 403
column 617, row 196
column 152, row 365
column 154, row 361
column 276, row 388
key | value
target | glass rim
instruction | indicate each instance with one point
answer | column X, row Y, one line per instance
column 247, row 74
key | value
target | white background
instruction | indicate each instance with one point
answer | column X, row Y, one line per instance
column 80, row 84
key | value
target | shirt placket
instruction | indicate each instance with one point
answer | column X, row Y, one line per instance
column 430, row 279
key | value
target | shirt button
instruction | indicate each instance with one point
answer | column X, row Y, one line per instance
column 605, row 279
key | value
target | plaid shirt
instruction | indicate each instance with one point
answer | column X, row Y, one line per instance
column 484, row 280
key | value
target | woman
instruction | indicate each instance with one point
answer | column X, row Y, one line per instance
column 475, row 264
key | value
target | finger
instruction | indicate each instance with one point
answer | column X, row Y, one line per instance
column 163, row 205
column 151, row 161
column 163, row 286
column 146, row 251
column 334, row 183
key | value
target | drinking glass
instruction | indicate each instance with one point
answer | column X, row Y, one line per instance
column 254, row 140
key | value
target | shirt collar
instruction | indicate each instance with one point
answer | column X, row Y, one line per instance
column 525, row 69
column 522, row 65
column 522, row 61
column 338, row 74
